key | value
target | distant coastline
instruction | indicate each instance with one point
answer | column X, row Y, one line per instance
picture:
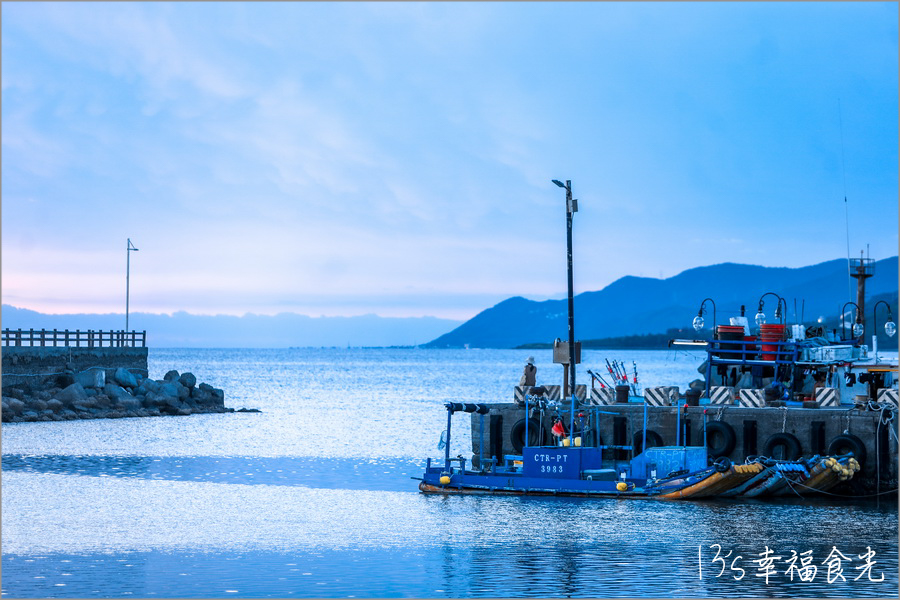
column 647, row 341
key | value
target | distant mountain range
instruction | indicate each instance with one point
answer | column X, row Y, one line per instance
column 630, row 306
column 641, row 305
column 183, row 330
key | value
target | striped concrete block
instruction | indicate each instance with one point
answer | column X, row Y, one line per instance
column 661, row 396
column 826, row 396
column 887, row 396
column 752, row 398
column 521, row 390
column 603, row 396
column 720, row 394
column 552, row 392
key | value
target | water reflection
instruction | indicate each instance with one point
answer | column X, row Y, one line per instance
column 303, row 501
column 336, row 473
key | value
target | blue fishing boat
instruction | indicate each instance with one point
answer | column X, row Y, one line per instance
column 576, row 466
column 571, row 467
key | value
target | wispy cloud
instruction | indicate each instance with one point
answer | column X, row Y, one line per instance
column 332, row 157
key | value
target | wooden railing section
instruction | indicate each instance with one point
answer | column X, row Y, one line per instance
column 92, row 338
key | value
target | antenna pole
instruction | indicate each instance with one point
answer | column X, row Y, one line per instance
column 846, row 209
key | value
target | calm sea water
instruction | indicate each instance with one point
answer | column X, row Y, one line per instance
column 313, row 498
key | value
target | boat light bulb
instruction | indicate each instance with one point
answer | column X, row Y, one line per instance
column 760, row 318
column 890, row 328
column 698, row 323
column 857, row 329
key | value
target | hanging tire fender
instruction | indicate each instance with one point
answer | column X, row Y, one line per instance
column 728, row 439
column 517, row 434
column 790, row 443
column 847, row 443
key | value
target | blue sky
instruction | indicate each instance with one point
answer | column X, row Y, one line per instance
column 353, row 158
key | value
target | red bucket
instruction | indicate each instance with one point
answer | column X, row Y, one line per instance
column 752, row 349
column 770, row 333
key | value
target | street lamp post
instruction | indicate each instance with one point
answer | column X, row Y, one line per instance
column 571, row 208
column 857, row 329
column 129, row 249
column 760, row 315
column 698, row 320
column 889, row 327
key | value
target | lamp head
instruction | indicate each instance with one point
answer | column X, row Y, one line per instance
column 889, row 328
column 698, row 323
column 858, row 329
column 760, row 317
column 559, row 183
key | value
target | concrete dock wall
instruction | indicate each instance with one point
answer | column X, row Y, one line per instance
column 815, row 429
column 29, row 365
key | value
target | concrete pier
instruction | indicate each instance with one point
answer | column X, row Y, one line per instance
column 750, row 430
column 28, row 365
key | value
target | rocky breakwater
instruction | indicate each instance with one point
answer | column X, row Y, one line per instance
column 110, row 394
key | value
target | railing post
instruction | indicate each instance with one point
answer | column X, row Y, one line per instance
column 19, row 337
column 31, row 337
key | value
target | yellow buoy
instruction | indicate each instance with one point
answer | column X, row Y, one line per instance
column 445, row 479
column 837, row 467
column 621, row 486
column 578, row 442
column 566, row 442
column 829, row 462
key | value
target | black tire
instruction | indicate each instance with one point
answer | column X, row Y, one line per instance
column 720, row 439
column 787, row 443
column 653, row 440
column 847, row 443
column 535, row 434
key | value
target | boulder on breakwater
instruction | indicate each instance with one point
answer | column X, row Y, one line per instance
column 109, row 394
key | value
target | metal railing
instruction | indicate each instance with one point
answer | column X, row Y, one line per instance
column 749, row 353
column 742, row 352
column 92, row 338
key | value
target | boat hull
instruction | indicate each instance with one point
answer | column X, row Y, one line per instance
column 452, row 490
